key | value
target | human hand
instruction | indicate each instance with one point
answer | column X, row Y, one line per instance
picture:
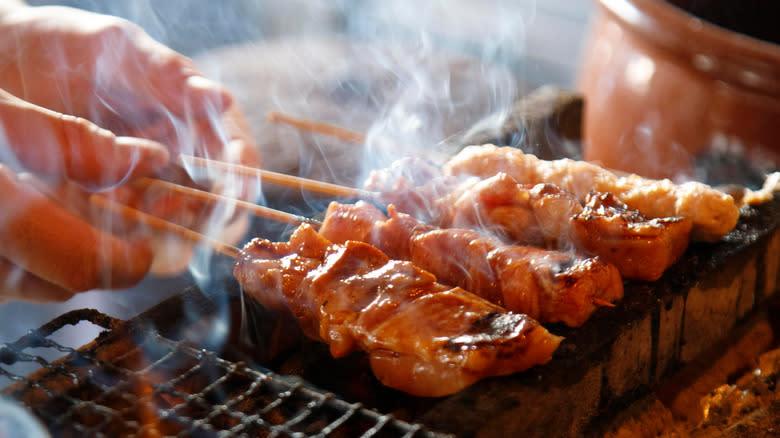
column 65, row 69
column 110, row 72
column 48, row 253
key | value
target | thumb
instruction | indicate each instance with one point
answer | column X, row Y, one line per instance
column 51, row 143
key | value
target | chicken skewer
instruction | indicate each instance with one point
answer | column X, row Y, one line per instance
column 712, row 212
column 422, row 337
column 551, row 286
column 541, row 215
column 547, row 285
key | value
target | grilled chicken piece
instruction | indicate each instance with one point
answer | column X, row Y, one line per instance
column 552, row 286
column 497, row 206
column 517, row 213
column 422, row 337
column 553, row 209
column 641, row 248
column 712, row 213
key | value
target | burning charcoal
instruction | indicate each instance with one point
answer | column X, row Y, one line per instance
column 732, row 404
column 546, row 123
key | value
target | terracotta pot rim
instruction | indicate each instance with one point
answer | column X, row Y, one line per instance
column 728, row 55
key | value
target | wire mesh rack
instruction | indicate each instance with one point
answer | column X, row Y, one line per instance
column 133, row 381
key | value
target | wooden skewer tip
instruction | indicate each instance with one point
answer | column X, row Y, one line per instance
column 603, row 303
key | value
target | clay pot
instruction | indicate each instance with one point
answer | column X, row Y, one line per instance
column 664, row 88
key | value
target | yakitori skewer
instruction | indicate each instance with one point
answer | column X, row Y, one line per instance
column 318, row 127
column 162, row 225
column 420, row 336
column 597, row 278
column 603, row 303
column 254, row 209
column 659, row 250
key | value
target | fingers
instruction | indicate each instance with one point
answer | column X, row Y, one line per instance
column 47, row 241
column 172, row 79
column 102, row 68
column 55, row 144
column 18, row 284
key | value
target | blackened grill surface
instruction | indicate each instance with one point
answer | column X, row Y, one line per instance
column 134, row 381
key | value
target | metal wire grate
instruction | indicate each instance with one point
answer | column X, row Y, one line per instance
column 132, row 381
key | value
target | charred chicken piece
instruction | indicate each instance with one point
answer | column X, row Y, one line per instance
column 552, row 286
column 422, row 337
column 546, row 215
column 641, row 248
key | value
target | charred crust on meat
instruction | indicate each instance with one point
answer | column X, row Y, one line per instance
column 489, row 329
column 564, row 266
column 484, row 323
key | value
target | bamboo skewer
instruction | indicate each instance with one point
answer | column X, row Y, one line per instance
column 163, row 225
column 281, row 178
column 318, row 127
column 603, row 303
column 257, row 210
column 438, row 154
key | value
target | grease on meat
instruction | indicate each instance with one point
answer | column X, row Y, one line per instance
column 422, row 337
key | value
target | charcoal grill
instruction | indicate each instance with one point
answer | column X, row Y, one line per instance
column 160, row 374
column 142, row 377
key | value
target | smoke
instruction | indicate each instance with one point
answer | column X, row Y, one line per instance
column 454, row 64
column 406, row 73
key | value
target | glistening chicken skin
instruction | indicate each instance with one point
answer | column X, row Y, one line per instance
column 542, row 214
column 712, row 213
column 422, row 337
column 552, row 286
